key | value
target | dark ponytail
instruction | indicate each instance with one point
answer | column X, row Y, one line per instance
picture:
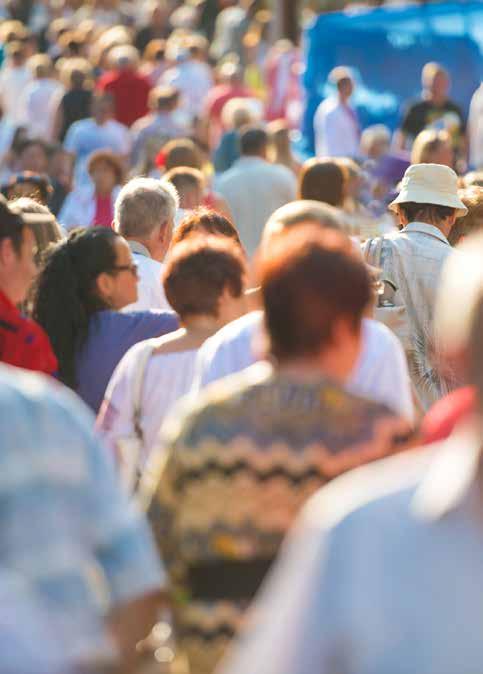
column 65, row 296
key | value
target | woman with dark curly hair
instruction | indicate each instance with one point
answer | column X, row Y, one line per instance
column 85, row 282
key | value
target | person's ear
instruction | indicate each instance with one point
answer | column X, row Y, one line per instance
column 104, row 286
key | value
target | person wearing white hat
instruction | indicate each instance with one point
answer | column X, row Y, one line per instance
column 411, row 262
column 336, row 126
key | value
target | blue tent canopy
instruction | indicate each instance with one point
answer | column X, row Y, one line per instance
column 386, row 48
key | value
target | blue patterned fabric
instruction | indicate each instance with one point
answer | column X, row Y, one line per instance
column 66, row 528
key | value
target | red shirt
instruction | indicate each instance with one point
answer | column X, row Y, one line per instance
column 444, row 415
column 220, row 95
column 130, row 91
column 104, row 213
column 23, row 342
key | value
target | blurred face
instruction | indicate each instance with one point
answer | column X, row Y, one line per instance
column 346, row 88
column 103, row 177
column 101, row 109
column 34, row 159
column 439, row 85
column 18, row 269
column 118, row 287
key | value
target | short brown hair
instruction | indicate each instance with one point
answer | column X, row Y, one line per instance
column 205, row 221
column 322, row 180
column 310, row 278
column 472, row 197
column 180, row 152
column 198, row 271
column 110, row 158
column 185, row 178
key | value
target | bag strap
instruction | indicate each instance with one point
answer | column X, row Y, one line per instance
column 137, row 389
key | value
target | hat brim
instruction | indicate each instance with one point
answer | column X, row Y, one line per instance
column 426, row 197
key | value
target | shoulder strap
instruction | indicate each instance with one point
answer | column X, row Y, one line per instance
column 137, row 388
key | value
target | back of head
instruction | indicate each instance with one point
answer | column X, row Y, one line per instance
column 65, row 296
column 427, row 144
column 163, row 99
column 253, row 141
column 237, row 113
column 143, row 206
column 11, row 225
column 205, row 221
column 297, row 213
column 124, row 57
column 40, row 65
column 186, row 181
column 180, row 152
column 322, row 180
column 310, row 278
column 472, row 222
column 199, row 270
column 42, row 222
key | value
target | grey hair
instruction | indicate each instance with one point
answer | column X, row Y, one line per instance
column 143, row 205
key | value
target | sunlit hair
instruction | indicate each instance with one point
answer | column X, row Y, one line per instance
column 198, row 271
column 310, row 278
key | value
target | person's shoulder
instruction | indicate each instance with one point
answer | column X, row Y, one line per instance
column 378, row 336
column 243, row 327
column 40, row 397
column 137, row 318
column 195, row 418
column 371, row 491
column 153, row 267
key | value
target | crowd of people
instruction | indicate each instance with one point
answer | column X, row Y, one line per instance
column 250, row 437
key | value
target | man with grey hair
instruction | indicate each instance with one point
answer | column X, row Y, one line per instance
column 127, row 86
column 144, row 214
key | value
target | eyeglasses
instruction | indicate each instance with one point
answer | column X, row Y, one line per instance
column 133, row 268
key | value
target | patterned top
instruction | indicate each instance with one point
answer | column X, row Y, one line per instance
column 66, row 529
column 239, row 465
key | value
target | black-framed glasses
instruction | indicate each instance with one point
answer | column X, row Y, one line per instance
column 133, row 268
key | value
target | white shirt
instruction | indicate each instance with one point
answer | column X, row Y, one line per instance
column 336, row 131
column 194, row 80
column 150, row 285
column 40, row 100
column 380, row 375
column 475, row 129
column 254, row 189
column 12, row 86
column 86, row 136
column 166, row 379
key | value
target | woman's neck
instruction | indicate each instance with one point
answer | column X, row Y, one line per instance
column 201, row 325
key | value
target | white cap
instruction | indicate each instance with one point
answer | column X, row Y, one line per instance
column 430, row 184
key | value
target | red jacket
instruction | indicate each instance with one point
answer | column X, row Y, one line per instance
column 130, row 91
column 23, row 342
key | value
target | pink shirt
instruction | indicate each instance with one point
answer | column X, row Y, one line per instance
column 104, row 214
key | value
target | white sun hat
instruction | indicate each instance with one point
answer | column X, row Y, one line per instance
column 430, row 184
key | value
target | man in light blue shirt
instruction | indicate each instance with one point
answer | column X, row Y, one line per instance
column 66, row 529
